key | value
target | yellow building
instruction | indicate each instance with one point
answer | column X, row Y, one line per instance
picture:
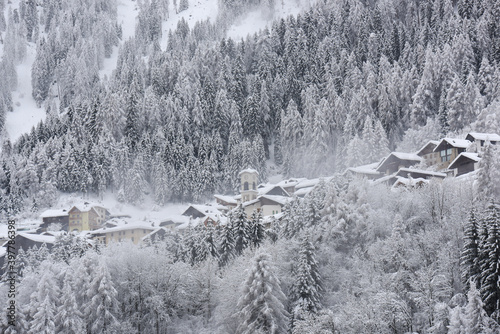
column 86, row 218
column 134, row 233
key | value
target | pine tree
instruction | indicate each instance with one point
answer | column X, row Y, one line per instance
column 307, row 286
column 44, row 302
column 256, row 229
column 226, row 247
column 261, row 306
column 103, row 305
column 239, row 227
column 206, row 247
column 470, row 251
column 490, row 268
column 69, row 317
column 475, row 315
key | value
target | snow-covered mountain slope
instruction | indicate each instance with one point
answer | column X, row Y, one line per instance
column 258, row 19
column 25, row 112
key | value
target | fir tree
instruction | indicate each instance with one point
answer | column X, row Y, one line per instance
column 256, row 230
column 239, row 228
column 307, row 286
column 261, row 306
column 490, row 268
column 470, row 251
column 226, row 247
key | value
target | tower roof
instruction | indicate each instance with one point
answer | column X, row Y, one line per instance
column 248, row 170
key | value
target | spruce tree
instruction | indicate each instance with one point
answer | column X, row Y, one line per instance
column 475, row 315
column 470, row 252
column 490, row 289
column 261, row 306
column 103, row 304
column 256, row 230
column 239, row 227
column 226, row 247
column 307, row 286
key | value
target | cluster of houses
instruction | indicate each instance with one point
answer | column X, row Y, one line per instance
column 99, row 226
column 448, row 157
column 437, row 159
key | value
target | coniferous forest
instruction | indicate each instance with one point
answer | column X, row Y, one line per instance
column 342, row 84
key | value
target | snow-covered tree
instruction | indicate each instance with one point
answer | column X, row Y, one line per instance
column 261, row 305
column 307, row 287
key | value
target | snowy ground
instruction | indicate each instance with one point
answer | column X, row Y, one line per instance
column 26, row 114
column 259, row 19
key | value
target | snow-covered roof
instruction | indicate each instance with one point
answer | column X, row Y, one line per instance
column 432, row 143
column 227, row 199
column 483, row 136
column 406, row 156
column 248, row 170
column 267, row 188
column 303, row 191
column 307, row 183
column 278, row 199
column 87, row 206
column 369, row 169
column 47, row 239
column 149, row 235
column 135, row 226
column 384, row 179
column 458, row 143
column 54, row 213
column 290, row 182
column 420, row 171
column 464, row 155
column 248, row 203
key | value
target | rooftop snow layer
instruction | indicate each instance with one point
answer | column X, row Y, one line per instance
column 406, row 156
column 54, row 213
column 484, row 136
column 47, row 239
column 227, row 199
column 248, row 170
column 458, row 143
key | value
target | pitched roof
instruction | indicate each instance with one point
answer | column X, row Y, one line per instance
column 398, row 156
column 464, row 156
column 44, row 239
column 458, row 143
column 370, row 169
column 415, row 173
column 277, row 199
column 248, row 170
column 430, row 145
column 482, row 136
column 227, row 199
column 135, row 226
column 54, row 213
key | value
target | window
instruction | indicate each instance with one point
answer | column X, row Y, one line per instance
column 446, row 155
column 245, row 186
column 132, row 239
column 253, row 186
column 144, row 231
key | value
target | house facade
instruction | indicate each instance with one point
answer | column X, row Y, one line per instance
column 133, row 233
column 50, row 217
column 86, row 218
column 449, row 149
